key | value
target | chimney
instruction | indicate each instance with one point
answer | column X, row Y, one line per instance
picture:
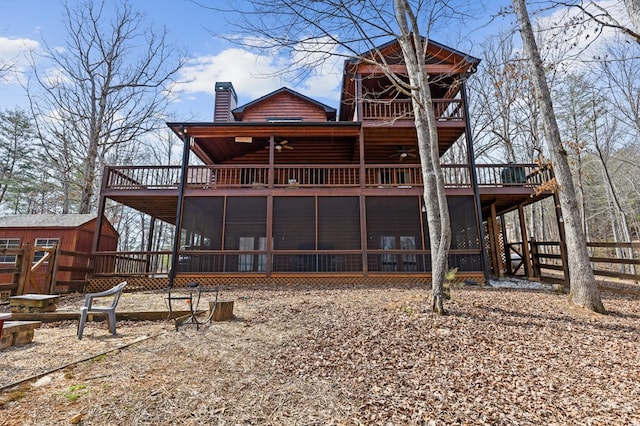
column 226, row 100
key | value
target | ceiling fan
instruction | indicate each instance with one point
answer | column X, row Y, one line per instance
column 280, row 144
column 403, row 153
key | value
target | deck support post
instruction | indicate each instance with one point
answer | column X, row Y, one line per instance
column 494, row 232
column 563, row 241
column 526, row 255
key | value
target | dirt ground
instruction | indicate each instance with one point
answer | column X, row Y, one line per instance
column 339, row 356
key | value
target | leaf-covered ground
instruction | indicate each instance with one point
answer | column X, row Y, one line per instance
column 306, row 356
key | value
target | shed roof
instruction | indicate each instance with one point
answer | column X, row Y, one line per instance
column 45, row 220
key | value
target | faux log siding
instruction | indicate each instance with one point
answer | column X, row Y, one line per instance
column 305, row 152
column 285, row 105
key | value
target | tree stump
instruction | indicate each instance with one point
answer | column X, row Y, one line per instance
column 222, row 310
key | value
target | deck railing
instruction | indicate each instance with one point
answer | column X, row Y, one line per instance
column 322, row 176
column 158, row 264
column 402, row 109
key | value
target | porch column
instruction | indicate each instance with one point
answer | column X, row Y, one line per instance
column 270, row 182
column 178, row 226
column 363, row 206
column 474, row 179
column 152, row 227
column 99, row 221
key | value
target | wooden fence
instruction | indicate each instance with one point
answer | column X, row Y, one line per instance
column 43, row 270
column 608, row 260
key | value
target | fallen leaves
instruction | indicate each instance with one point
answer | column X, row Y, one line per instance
column 361, row 356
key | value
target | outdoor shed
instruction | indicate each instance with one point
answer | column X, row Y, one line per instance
column 71, row 234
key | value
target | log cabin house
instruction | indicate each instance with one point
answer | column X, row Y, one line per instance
column 285, row 189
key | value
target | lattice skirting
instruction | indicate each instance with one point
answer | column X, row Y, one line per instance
column 151, row 284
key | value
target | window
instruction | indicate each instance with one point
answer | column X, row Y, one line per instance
column 9, row 243
column 44, row 242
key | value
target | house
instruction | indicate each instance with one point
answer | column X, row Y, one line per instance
column 285, row 189
column 68, row 232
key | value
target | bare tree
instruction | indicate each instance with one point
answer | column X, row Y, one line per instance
column 315, row 31
column 591, row 11
column 109, row 88
column 584, row 290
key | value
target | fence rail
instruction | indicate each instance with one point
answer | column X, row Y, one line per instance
column 56, row 270
column 608, row 259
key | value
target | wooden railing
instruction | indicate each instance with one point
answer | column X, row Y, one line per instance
column 608, row 259
column 322, row 176
column 57, row 271
column 402, row 109
column 511, row 174
column 158, row 264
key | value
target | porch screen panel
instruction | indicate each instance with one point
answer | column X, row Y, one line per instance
column 294, row 223
column 464, row 235
column 393, row 216
column 202, row 223
column 395, row 233
column 338, row 223
column 245, row 231
column 245, row 217
column 464, row 226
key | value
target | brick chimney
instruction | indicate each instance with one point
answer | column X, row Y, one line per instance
column 226, row 100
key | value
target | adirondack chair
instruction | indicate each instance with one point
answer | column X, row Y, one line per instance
column 109, row 311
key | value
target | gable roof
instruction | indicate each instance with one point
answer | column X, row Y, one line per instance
column 434, row 49
column 440, row 59
column 239, row 112
column 45, row 220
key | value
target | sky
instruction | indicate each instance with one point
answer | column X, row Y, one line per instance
column 26, row 24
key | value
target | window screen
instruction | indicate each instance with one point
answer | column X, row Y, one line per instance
column 44, row 242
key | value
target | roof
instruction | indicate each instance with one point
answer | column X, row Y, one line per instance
column 45, row 220
column 330, row 111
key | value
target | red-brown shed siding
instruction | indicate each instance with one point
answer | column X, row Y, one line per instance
column 78, row 239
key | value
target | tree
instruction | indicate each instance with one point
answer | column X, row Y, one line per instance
column 315, row 31
column 109, row 88
column 16, row 155
column 584, row 290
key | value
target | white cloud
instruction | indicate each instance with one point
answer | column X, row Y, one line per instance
column 254, row 75
column 14, row 52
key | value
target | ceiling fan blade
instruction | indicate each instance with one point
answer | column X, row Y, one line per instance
column 287, row 147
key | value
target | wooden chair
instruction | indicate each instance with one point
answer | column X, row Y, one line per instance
column 109, row 311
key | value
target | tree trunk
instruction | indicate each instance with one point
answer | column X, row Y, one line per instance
column 584, row 290
column 435, row 198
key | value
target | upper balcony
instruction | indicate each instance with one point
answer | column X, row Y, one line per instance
column 446, row 110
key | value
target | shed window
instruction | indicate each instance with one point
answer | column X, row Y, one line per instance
column 44, row 242
column 9, row 243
